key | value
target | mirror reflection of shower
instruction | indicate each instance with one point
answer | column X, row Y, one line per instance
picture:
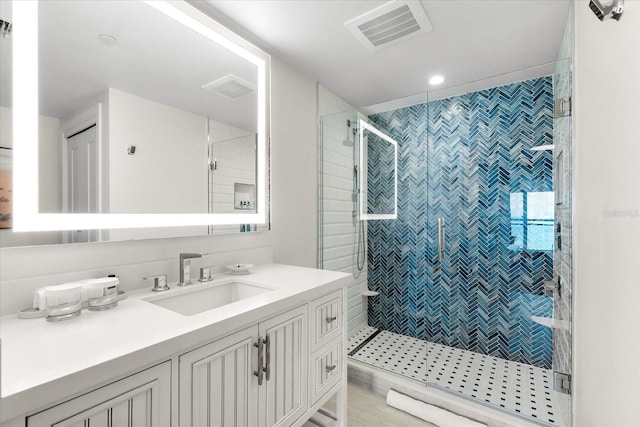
column 374, row 180
column 377, row 178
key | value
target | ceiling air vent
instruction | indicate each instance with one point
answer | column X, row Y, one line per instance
column 390, row 23
column 230, row 86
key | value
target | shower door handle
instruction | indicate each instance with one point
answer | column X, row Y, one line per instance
column 441, row 248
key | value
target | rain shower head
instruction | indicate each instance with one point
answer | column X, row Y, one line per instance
column 605, row 11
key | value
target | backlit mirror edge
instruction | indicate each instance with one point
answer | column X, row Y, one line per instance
column 25, row 103
column 362, row 125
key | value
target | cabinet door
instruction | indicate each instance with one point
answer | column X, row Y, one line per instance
column 283, row 396
column 142, row 399
column 217, row 385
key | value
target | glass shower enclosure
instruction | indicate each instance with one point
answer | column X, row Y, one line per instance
column 468, row 290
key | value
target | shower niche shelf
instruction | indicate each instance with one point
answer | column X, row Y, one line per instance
column 549, row 322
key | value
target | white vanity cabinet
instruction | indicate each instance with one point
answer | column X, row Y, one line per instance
column 255, row 377
column 140, row 400
column 270, row 361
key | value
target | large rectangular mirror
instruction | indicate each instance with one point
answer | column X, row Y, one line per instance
column 378, row 192
column 120, row 112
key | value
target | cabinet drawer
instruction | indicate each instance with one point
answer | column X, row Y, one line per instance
column 326, row 319
column 327, row 370
column 142, row 399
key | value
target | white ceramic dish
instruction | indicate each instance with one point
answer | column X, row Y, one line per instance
column 239, row 268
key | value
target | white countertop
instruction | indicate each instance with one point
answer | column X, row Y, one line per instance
column 39, row 357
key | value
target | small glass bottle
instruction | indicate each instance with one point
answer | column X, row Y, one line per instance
column 63, row 301
column 102, row 293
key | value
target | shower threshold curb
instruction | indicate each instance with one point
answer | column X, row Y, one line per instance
column 380, row 382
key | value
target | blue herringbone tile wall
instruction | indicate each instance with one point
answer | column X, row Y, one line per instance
column 461, row 158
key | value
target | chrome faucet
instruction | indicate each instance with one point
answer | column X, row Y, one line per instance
column 159, row 282
column 185, row 267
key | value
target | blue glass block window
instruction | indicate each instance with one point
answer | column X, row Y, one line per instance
column 532, row 221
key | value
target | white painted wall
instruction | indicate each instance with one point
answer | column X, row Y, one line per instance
column 167, row 173
column 49, row 159
column 6, row 127
column 607, row 219
column 294, row 180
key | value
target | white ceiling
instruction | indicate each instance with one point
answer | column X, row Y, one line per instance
column 472, row 41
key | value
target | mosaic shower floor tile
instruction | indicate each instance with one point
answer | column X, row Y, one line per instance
column 514, row 387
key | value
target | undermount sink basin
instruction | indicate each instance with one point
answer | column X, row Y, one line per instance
column 197, row 298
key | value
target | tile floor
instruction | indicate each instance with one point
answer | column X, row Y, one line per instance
column 515, row 387
column 368, row 409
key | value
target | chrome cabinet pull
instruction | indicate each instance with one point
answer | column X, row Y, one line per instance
column 259, row 373
column 331, row 368
column 267, row 368
column 331, row 319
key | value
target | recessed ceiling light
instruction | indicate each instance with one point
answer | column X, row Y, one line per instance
column 436, row 80
column 108, row 39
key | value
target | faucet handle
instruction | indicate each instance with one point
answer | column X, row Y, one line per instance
column 159, row 282
column 206, row 274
